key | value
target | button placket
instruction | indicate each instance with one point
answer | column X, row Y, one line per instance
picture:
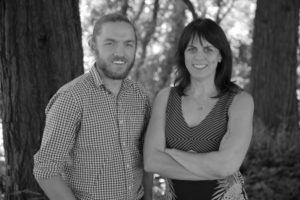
column 123, row 141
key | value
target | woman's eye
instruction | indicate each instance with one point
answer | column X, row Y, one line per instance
column 208, row 50
column 191, row 49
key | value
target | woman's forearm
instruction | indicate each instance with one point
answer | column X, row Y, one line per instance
column 164, row 165
column 201, row 165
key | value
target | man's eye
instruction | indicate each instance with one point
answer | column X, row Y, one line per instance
column 130, row 44
column 108, row 43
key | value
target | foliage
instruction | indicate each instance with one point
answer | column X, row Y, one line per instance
column 273, row 164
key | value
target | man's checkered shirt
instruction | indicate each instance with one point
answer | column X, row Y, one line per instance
column 94, row 139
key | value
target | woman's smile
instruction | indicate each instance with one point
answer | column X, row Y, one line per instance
column 199, row 66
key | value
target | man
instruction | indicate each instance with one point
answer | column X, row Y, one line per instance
column 92, row 143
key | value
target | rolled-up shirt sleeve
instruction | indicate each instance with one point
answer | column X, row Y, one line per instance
column 63, row 116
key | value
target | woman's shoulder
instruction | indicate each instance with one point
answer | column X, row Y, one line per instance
column 163, row 94
column 162, row 97
column 242, row 101
column 243, row 97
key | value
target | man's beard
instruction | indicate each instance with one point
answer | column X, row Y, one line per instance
column 109, row 73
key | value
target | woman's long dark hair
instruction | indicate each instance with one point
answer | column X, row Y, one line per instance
column 213, row 33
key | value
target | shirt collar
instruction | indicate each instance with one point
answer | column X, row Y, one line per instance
column 96, row 76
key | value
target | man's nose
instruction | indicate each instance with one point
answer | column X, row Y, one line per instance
column 119, row 51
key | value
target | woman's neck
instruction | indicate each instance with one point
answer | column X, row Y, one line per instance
column 202, row 89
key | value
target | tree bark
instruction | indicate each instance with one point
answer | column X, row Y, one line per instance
column 40, row 50
column 274, row 63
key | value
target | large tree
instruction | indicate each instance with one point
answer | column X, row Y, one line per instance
column 274, row 63
column 40, row 50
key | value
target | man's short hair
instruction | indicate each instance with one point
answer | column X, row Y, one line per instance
column 112, row 17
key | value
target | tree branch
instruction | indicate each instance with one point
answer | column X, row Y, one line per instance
column 152, row 25
column 191, row 7
column 141, row 8
column 149, row 32
column 124, row 7
column 221, row 6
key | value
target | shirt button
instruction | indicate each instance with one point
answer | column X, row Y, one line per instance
column 127, row 166
column 129, row 188
column 124, row 144
column 121, row 121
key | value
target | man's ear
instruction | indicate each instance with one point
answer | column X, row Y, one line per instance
column 92, row 44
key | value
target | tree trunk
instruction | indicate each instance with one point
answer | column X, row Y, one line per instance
column 274, row 63
column 40, row 50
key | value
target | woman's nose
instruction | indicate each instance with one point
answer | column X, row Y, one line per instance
column 199, row 55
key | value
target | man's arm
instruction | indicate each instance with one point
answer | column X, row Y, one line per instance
column 56, row 188
column 62, row 123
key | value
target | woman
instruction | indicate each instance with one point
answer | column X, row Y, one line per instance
column 201, row 128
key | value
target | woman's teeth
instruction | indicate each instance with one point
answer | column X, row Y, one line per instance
column 199, row 66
